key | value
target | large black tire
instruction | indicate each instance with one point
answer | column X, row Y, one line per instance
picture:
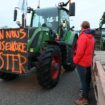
column 48, row 72
column 71, row 67
column 7, row 76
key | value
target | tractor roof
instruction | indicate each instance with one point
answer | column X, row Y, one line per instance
column 49, row 11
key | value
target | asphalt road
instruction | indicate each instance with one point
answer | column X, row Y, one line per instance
column 26, row 91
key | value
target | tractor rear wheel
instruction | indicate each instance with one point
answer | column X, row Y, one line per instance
column 48, row 72
column 8, row 76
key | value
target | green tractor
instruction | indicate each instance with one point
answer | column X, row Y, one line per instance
column 49, row 45
column 102, row 31
column 100, row 34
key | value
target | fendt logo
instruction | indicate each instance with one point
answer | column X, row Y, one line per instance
column 13, row 50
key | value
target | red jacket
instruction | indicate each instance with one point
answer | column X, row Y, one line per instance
column 84, row 49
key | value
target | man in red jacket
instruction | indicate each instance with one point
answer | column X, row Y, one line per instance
column 83, row 59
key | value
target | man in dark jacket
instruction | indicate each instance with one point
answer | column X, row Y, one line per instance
column 83, row 59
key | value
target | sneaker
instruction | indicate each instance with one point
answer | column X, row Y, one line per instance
column 81, row 101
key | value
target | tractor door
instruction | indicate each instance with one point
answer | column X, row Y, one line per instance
column 64, row 26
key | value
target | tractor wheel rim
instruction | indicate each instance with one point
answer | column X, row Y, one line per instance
column 55, row 66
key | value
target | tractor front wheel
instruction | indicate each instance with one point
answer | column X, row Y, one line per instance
column 48, row 72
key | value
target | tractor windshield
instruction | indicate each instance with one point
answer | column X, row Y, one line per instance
column 46, row 17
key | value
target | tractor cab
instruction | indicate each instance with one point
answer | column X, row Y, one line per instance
column 56, row 19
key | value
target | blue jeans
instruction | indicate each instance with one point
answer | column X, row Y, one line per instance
column 85, row 79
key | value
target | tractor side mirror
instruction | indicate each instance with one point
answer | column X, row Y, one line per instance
column 15, row 14
column 72, row 8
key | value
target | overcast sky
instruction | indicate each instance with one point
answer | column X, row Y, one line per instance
column 90, row 10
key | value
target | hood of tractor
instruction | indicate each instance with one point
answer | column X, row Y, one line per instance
column 38, row 39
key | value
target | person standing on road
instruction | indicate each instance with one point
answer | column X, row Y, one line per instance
column 83, row 59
